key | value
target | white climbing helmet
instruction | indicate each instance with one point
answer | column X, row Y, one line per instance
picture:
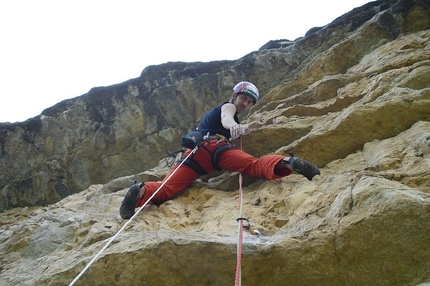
column 248, row 89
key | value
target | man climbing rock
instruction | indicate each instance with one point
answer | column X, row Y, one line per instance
column 219, row 127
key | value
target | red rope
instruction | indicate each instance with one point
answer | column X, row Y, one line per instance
column 240, row 230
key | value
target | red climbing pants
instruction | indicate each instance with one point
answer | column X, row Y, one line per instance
column 231, row 159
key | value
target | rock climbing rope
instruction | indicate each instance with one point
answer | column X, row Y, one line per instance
column 238, row 277
column 241, row 227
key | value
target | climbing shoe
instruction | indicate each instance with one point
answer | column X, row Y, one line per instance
column 129, row 203
column 302, row 166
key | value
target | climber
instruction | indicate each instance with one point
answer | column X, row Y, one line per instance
column 217, row 152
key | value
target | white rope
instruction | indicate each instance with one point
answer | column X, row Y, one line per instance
column 138, row 211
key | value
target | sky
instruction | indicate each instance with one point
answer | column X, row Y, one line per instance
column 52, row 50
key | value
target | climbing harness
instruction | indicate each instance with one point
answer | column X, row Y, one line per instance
column 216, row 153
column 190, row 162
column 194, row 139
column 125, row 225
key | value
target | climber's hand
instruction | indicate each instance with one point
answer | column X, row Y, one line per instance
column 238, row 130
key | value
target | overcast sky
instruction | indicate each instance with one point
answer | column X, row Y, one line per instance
column 55, row 50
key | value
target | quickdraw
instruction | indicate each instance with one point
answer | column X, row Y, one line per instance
column 247, row 227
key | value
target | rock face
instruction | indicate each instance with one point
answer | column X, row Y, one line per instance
column 352, row 97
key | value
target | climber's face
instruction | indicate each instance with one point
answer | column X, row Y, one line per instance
column 242, row 102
